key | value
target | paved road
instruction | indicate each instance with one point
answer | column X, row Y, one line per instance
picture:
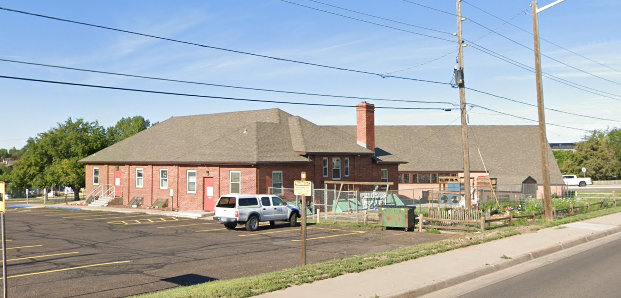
column 591, row 270
column 72, row 253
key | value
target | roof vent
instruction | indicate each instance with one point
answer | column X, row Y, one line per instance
column 245, row 130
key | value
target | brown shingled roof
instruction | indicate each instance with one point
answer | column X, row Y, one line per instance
column 261, row 136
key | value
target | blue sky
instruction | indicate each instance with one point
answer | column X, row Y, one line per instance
column 284, row 30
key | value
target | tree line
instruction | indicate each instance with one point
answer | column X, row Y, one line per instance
column 599, row 152
column 50, row 159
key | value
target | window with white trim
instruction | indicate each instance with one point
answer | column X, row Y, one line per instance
column 139, row 178
column 346, row 166
column 191, row 181
column 384, row 175
column 336, row 168
column 277, row 182
column 95, row 176
column 163, row 179
column 325, row 167
column 235, row 185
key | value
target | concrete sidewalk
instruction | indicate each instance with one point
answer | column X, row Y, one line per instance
column 77, row 205
column 432, row 273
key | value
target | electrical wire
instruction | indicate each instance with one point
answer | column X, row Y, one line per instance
column 377, row 17
column 524, row 118
column 546, row 40
column 210, row 96
column 227, row 86
column 429, row 7
column 223, row 49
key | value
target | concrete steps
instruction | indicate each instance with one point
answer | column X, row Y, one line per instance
column 101, row 202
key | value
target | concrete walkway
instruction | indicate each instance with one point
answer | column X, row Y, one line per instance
column 432, row 273
column 79, row 205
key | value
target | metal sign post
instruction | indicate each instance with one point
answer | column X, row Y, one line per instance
column 303, row 188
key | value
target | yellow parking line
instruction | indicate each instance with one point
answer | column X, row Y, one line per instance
column 44, row 256
column 18, row 247
column 89, row 215
column 67, row 269
column 126, row 216
column 58, row 214
column 200, row 231
column 331, row 236
column 198, row 224
column 272, row 232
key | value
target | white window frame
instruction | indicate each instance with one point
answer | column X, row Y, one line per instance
column 336, row 166
column 162, row 180
column 231, row 181
column 277, row 187
column 141, row 178
column 95, row 176
column 346, row 167
column 326, row 167
column 188, row 181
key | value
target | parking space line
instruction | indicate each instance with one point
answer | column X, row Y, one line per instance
column 272, row 232
column 67, row 269
column 331, row 236
column 27, row 246
column 90, row 215
column 148, row 221
column 126, row 216
column 197, row 224
column 210, row 230
column 44, row 256
column 60, row 213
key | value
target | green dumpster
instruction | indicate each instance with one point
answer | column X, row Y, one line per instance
column 396, row 217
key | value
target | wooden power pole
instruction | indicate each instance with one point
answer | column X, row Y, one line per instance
column 459, row 79
column 543, row 140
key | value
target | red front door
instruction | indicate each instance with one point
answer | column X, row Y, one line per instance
column 208, row 198
column 118, row 189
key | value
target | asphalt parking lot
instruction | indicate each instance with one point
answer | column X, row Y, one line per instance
column 74, row 253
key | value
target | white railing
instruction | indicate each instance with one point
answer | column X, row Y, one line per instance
column 102, row 191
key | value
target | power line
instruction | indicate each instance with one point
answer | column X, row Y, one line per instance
column 546, row 40
column 432, row 8
column 524, row 118
column 225, row 86
column 291, row 92
column 368, row 22
column 210, row 96
column 224, row 49
column 520, row 44
column 377, row 17
column 255, row 100
column 547, row 75
column 534, row 105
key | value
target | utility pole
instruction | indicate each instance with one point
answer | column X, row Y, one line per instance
column 459, row 79
column 543, row 140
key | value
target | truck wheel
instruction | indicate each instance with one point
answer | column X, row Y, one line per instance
column 230, row 225
column 293, row 220
column 582, row 184
column 253, row 223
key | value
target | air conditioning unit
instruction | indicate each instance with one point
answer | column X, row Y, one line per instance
column 451, row 199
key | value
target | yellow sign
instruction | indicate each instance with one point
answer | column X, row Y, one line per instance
column 2, row 197
column 303, row 188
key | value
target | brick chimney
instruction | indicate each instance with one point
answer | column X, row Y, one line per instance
column 365, row 127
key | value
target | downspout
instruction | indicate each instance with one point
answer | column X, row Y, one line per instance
column 177, row 190
column 152, row 181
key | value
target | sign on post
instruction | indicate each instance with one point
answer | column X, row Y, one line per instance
column 303, row 188
column 2, row 197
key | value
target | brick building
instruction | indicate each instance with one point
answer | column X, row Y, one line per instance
column 199, row 158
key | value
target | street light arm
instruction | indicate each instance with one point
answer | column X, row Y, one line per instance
column 549, row 5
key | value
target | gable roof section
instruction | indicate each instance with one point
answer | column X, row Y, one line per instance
column 248, row 137
column 510, row 153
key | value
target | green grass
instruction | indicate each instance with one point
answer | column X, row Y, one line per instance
column 268, row 282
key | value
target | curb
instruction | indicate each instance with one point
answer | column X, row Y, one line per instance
column 504, row 265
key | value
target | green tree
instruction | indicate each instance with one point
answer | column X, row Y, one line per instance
column 127, row 127
column 563, row 158
column 51, row 159
column 595, row 154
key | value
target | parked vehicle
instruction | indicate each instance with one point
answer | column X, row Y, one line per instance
column 249, row 210
column 573, row 180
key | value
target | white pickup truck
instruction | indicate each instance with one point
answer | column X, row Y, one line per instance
column 573, row 180
column 250, row 209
